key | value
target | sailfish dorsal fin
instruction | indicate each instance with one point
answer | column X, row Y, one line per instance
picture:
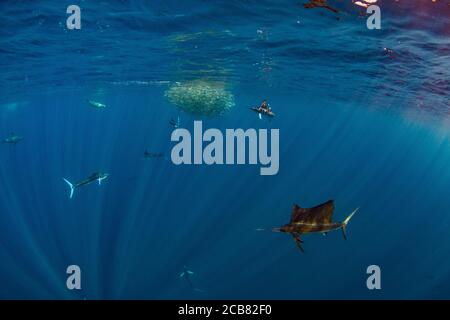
column 321, row 214
column 297, row 212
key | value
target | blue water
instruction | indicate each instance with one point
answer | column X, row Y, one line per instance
column 359, row 124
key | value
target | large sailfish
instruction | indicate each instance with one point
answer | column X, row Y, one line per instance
column 313, row 220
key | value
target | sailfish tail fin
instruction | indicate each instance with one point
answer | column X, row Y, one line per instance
column 72, row 188
column 345, row 223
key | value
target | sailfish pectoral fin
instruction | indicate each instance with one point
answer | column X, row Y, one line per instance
column 298, row 241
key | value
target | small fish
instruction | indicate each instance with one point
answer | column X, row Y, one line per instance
column 187, row 275
column 149, row 155
column 96, row 104
column 390, row 53
column 175, row 124
column 13, row 139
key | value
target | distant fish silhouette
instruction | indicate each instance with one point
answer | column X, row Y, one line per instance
column 13, row 139
column 390, row 53
column 175, row 124
column 313, row 220
column 187, row 275
column 96, row 104
column 149, row 155
column 319, row 4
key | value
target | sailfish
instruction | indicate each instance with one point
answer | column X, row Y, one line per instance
column 313, row 220
column 187, row 275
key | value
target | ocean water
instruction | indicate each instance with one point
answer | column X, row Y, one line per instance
column 363, row 118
